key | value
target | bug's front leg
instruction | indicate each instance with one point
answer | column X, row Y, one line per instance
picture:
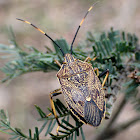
column 57, row 62
column 89, row 59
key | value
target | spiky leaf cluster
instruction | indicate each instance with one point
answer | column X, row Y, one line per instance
column 115, row 51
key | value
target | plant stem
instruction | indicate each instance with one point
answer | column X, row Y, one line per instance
column 117, row 112
column 114, row 131
column 102, row 135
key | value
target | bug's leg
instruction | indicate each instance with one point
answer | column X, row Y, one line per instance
column 52, row 94
column 97, row 70
column 102, row 74
column 57, row 62
column 88, row 58
column 94, row 59
column 49, row 114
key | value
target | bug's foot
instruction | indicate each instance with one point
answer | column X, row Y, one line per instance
column 57, row 129
column 104, row 88
column 49, row 115
column 94, row 58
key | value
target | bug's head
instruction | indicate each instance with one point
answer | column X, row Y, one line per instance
column 68, row 58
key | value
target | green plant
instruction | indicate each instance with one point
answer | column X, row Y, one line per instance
column 115, row 51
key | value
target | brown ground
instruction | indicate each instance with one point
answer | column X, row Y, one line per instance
column 59, row 19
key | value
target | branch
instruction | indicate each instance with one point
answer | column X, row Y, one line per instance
column 117, row 112
column 114, row 131
column 113, row 118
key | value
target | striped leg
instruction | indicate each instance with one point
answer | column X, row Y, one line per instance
column 57, row 62
column 52, row 94
column 97, row 70
column 102, row 74
column 89, row 59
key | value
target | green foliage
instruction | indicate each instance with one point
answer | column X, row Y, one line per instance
column 15, row 133
column 119, row 52
column 68, row 130
column 131, row 89
column 115, row 51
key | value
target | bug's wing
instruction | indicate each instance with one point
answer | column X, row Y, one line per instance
column 74, row 90
column 77, row 89
column 95, row 108
column 92, row 114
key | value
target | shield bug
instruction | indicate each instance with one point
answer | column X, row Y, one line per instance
column 81, row 87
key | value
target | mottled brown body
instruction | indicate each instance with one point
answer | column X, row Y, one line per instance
column 82, row 90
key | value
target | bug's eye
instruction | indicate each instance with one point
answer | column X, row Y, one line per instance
column 68, row 79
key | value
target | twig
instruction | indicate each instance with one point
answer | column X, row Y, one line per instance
column 114, row 131
column 107, row 128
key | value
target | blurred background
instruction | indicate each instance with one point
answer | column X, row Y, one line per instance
column 58, row 18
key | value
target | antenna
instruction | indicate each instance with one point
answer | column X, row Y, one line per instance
column 42, row 33
column 81, row 24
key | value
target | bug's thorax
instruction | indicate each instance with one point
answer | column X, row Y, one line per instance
column 72, row 66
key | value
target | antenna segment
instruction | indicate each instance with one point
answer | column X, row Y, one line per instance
column 81, row 24
column 42, row 33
